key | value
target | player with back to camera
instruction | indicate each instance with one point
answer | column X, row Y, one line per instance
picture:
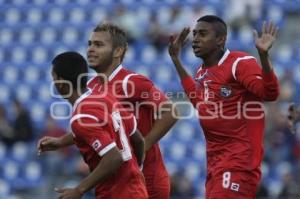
column 155, row 114
column 101, row 135
column 228, row 91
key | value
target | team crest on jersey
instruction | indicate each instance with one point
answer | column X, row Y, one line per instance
column 96, row 144
column 225, row 91
column 201, row 76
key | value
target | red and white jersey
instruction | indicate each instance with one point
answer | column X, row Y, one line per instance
column 98, row 126
column 138, row 94
column 229, row 98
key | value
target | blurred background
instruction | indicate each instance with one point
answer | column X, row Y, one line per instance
column 32, row 32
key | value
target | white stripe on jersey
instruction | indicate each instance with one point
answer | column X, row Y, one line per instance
column 107, row 148
column 235, row 63
column 125, row 82
column 76, row 117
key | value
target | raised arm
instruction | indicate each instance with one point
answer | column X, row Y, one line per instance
column 262, row 82
column 264, row 43
column 175, row 47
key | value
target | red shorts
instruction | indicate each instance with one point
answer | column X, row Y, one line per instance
column 158, row 186
column 130, row 189
column 232, row 185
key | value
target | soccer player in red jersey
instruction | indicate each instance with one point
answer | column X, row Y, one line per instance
column 155, row 114
column 100, row 133
column 228, row 91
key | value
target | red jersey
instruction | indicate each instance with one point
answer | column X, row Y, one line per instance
column 229, row 98
column 139, row 93
column 98, row 126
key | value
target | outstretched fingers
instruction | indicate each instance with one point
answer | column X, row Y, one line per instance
column 183, row 35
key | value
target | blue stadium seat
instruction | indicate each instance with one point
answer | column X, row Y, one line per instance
column 31, row 74
column 148, row 54
column 48, row 35
column 26, row 36
column 246, row 36
column 10, row 171
column 18, row 2
column 32, row 175
column 130, row 55
column 39, row 55
column 70, row 35
column 77, row 15
column 84, row 2
column 98, row 14
column 38, row 113
column 178, row 151
column 19, row 152
column 4, row 94
column 23, row 93
column 192, row 170
column 34, row 16
column 55, row 16
column 10, row 74
column 12, row 16
column 18, row 54
column 275, row 14
column 6, row 36
column 4, row 189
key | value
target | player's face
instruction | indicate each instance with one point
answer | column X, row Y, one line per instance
column 59, row 85
column 204, row 39
column 100, row 51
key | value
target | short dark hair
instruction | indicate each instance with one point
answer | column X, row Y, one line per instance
column 118, row 35
column 69, row 66
column 221, row 28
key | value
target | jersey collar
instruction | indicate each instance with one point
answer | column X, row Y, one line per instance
column 115, row 72
column 82, row 97
column 227, row 52
column 224, row 57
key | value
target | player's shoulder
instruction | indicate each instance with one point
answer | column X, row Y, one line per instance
column 238, row 54
column 91, row 101
column 133, row 76
column 235, row 57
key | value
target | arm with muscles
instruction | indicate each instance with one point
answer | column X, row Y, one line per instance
column 261, row 82
column 166, row 119
column 100, row 140
column 175, row 47
column 54, row 143
column 108, row 165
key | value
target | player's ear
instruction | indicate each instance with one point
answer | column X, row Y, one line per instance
column 221, row 40
column 119, row 52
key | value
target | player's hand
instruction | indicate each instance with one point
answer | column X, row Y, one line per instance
column 48, row 144
column 68, row 193
column 264, row 42
column 176, row 43
column 293, row 117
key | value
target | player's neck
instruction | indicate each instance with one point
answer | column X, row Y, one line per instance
column 75, row 95
column 111, row 69
column 213, row 58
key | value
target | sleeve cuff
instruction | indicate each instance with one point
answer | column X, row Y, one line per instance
column 107, row 148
